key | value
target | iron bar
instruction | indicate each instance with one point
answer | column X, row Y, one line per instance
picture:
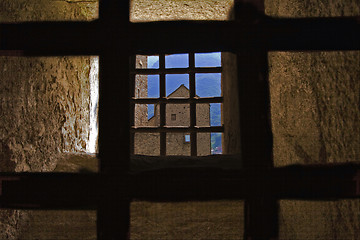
column 149, row 71
column 58, row 191
column 177, row 100
column 179, row 129
column 275, row 34
column 162, row 112
column 192, row 84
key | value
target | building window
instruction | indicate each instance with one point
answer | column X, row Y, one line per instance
column 187, row 138
column 183, row 94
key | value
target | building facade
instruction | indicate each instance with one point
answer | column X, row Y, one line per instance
column 176, row 115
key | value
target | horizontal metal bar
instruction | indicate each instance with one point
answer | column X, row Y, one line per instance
column 176, row 129
column 312, row 34
column 82, row 191
column 272, row 34
column 49, row 190
column 149, row 71
column 53, row 38
column 176, row 100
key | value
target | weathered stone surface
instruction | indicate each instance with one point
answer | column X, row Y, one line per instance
column 44, row 102
column 165, row 10
column 141, row 91
column 315, row 116
column 59, row 225
column 230, row 109
column 10, row 226
column 312, row 8
column 44, row 110
column 315, row 110
column 48, row 10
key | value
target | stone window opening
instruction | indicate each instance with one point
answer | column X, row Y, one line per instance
column 194, row 106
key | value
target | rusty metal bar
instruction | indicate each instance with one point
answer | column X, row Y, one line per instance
column 162, row 105
column 165, row 129
column 149, row 71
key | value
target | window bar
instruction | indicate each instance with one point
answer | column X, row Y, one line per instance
column 162, row 104
column 132, row 104
column 177, row 129
column 193, row 135
column 178, row 70
column 177, row 100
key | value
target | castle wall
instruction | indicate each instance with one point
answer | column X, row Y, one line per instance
column 163, row 10
column 141, row 91
column 230, row 108
column 315, row 120
column 44, row 101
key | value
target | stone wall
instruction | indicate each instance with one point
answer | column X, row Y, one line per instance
column 44, row 102
column 164, row 10
column 230, row 110
column 315, row 116
column 44, row 110
column 48, row 10
column 141, row 91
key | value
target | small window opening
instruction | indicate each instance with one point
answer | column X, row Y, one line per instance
column 179, row 93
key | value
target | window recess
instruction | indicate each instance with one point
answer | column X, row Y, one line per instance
column 178, row 101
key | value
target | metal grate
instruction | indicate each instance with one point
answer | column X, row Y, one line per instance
column 114, row 39
column 163, row 100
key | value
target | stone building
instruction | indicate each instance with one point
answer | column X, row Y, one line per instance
column 176, row 115
column 141, row 89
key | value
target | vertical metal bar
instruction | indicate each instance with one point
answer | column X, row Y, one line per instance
column 256, row 141
column 193, row 135
column 113, row 213
column 261, row 208
column 114, row 11
column 132, row 105
column 262, row 218
column 114, row 144
column 162, row 105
